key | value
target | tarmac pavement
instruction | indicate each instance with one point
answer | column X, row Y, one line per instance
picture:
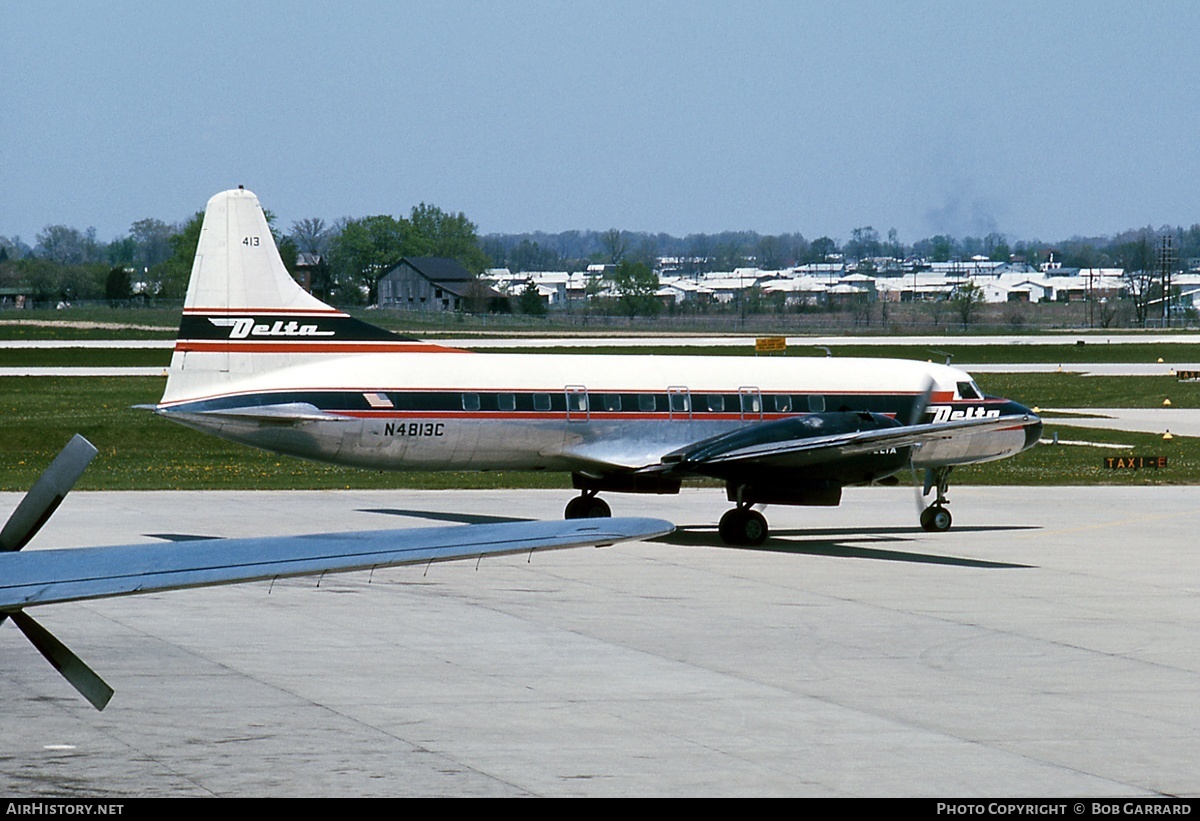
column 1045, row 646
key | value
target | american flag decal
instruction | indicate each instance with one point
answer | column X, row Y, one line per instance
column 378, row 400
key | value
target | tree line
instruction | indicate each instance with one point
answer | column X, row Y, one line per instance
column 153, row 260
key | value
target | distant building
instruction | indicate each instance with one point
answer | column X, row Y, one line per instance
column 436, row 284
column 306, row 266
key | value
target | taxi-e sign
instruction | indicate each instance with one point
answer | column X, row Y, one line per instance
column 1134, row 462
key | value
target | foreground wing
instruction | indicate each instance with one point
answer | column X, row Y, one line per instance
column 51, row 576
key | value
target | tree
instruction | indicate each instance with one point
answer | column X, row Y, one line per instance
column 966, row 300
column 1142, row 283
column 152, row 242
column 635, row 284
column 531, row 302
column 364, row 250
column 770, row 253
column 941, row 248
column 436, row 233
column 614, row 244
column 65, row 245
column 821, row 249
column 116, row 288
column 864, row 243
column 170, row 278
column 311, row 236
column 894, row 247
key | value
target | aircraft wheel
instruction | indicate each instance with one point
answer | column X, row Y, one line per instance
column 743, row 526
column 587, row 507
column 935, row 519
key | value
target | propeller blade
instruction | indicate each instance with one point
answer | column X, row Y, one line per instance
column 916, row 486
column 72, row 668
column 917, row 415
column 47, row 494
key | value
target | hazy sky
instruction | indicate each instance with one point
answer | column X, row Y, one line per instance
column 1036, row 119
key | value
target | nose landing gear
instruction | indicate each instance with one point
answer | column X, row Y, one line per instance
column 743, row 526
column 935, row 518
column 587, row 505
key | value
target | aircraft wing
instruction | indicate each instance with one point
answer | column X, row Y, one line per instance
column 72, row 574
column 786, row 445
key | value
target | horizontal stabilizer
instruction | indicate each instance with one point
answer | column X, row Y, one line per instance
column 283, row 413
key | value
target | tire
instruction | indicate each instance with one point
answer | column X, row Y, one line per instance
column 587, row 507
column 936, row 519
column 743, row 527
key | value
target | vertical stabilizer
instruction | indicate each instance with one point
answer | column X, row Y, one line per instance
column 245, row 316
column 238, row 267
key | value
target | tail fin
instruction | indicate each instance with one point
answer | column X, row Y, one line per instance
column 238, row 267
column 245, row 315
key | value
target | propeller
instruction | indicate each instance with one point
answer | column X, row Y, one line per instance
column 47, row 493
column 915, row 416
column 34, row 511
column 69, row 665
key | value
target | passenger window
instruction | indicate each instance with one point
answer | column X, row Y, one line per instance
column 680, row 403
column 816, row 404
column 647, row 402
column 541, row 401
column 750, row 403
column 783, row 403
column 577, row 401
column 716, row 402
column 507, row 401
column 612, row 401
column 470, row 401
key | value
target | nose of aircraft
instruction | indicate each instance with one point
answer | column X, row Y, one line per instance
column 1033, row 431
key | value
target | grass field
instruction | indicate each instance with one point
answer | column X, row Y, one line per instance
column 1176, row 352
column 1065, row 354
column 139, row 450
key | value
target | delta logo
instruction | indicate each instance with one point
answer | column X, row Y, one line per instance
column 946, row 413
column 244, row 327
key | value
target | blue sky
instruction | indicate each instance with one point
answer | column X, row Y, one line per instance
column 1035, row 119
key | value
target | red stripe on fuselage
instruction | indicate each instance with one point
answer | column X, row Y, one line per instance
column 222, row 346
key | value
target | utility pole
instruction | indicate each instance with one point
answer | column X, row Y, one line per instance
column 1166, row 262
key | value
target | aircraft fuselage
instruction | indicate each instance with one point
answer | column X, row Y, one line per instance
column 438, row 411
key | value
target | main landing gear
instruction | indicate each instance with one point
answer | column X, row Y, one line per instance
column 935, row 518
column 743, row 526
column 587, row 505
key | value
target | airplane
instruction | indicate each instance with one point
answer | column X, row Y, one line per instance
column 41, row 577
column 261, row 361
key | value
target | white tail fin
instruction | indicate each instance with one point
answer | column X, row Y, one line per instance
column 244, row 314
column 237, row 265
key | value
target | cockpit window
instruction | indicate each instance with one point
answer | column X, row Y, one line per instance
column 968, row 390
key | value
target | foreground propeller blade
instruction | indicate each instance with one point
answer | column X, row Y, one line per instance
column 917, row 414
column 47, row 493
column 72, row 668
column 915, row 417
column 916, row 486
